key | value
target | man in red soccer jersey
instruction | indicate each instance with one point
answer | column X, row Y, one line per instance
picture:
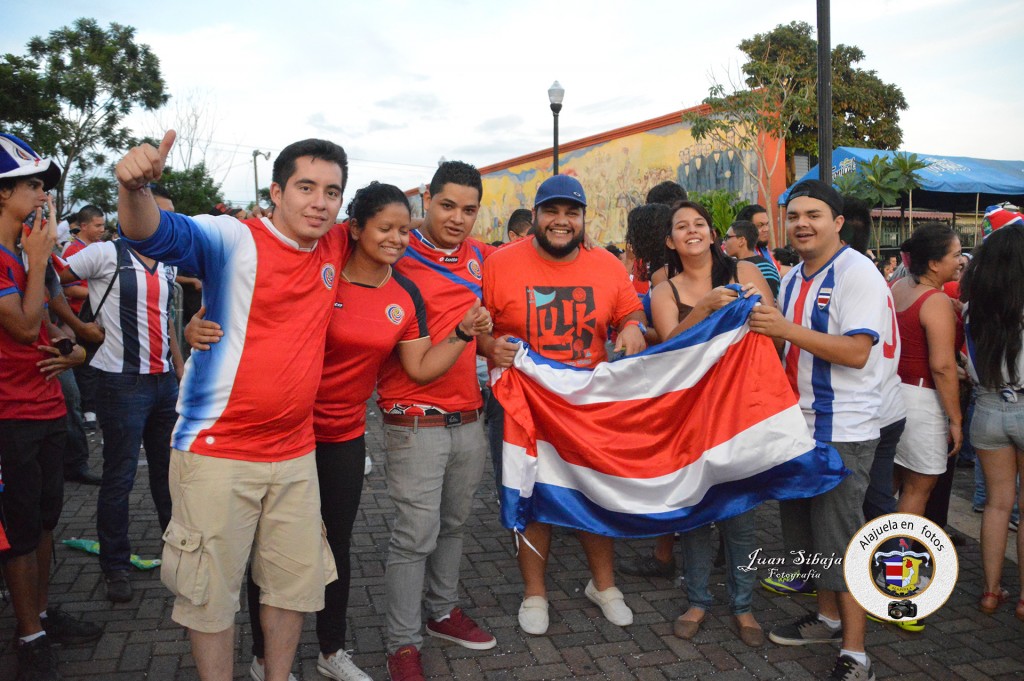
column 433, row 434
column 32, row 412
column 246, row 409
column 561, row 299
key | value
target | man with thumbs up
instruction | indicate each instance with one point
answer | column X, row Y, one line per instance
column 433, row 434
column 242, row 474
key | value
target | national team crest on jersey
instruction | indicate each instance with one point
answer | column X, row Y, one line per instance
column 327, row 275
column 474, row 268
column 824, row 296
column 394, row 313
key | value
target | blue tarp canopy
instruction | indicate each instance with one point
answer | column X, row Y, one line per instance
column 948, row 183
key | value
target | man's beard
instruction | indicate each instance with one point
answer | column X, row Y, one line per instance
column 558, row 252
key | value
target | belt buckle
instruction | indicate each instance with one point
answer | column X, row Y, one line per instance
column 1008, row 395
column 453, row 419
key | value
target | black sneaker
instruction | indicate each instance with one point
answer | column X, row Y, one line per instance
column 848, row 669
column 648, row 566
column 37, row 661
column 805, row 630
column 119, row 587
column 62, row 628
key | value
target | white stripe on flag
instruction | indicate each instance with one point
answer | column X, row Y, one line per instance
column 774, row 441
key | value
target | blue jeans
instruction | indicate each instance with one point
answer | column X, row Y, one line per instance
column 879, row 499
column 495, row 436
column 967, row 452
column 740, row 537
column 132, row 410
column 76, row 450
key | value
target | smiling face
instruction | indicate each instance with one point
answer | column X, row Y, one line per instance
column 450, row 214
column 813, row 231
column 385, row 236
column 559, row 228
column 307, row 206
column 691, row 234
column 948, row 268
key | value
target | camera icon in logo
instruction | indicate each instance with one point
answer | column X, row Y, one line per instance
column 900, row 609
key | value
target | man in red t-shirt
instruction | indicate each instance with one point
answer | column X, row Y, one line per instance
column 561, row 299
column 433, row 434
column 32, row 412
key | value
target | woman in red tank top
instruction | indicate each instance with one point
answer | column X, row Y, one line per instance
column 929, row 337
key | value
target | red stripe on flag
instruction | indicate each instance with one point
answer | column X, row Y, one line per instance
column 651, row 437
column 793, row 355
column 156, row 336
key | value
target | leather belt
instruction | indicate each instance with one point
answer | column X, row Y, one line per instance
column 451, row 420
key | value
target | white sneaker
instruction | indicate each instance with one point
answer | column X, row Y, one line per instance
column 533, row 615
column 341, row 667
column 367, row 465
column 612, row 604
column 257, row 673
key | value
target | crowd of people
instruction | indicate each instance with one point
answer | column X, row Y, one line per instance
column 256, row 455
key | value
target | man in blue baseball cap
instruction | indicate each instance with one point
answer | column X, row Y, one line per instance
column 579, row 293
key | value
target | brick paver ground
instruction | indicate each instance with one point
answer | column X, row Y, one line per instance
column 141, row 642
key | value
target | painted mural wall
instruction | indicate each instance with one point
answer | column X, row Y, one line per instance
column 616, row 175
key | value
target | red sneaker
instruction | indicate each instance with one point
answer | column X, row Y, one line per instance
column 404, row 665
column 461, row 629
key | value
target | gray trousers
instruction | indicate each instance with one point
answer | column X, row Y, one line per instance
column 823, row 526
column 432, row 476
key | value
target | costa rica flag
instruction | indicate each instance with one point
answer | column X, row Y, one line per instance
column 698, row 429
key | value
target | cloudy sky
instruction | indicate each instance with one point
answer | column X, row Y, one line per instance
column 401, row 84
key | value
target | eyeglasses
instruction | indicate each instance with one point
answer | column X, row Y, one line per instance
column 729, row 236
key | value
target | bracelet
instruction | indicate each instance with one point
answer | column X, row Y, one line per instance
column 640, row 325
column 462, row 335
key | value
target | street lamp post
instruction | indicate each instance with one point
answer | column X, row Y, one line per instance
column 255, row 175
column 555, row 95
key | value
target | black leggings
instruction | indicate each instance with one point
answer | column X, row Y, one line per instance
column 339, row 466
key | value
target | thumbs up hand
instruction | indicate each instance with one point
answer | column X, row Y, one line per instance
column 144, row 164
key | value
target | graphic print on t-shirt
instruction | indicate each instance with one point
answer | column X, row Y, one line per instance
column 562, row 319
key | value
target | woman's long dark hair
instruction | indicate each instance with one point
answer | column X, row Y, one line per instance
column 993, row 287
column 723, row 268
column 643, row 234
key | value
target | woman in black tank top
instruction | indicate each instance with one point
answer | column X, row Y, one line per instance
column 698, row 273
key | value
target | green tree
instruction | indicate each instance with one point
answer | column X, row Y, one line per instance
column 722, row 205
column 906, row 165
column 99, row 190
column 743, row 120
column 193, row 190
column 882, row 182
column 81, row 82
column 865, row 109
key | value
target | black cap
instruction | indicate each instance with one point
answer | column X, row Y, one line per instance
column 816, row 189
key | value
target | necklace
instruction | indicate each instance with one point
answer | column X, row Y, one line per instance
column 387, row 275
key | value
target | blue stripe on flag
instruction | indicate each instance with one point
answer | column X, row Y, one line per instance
column 808, row 475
